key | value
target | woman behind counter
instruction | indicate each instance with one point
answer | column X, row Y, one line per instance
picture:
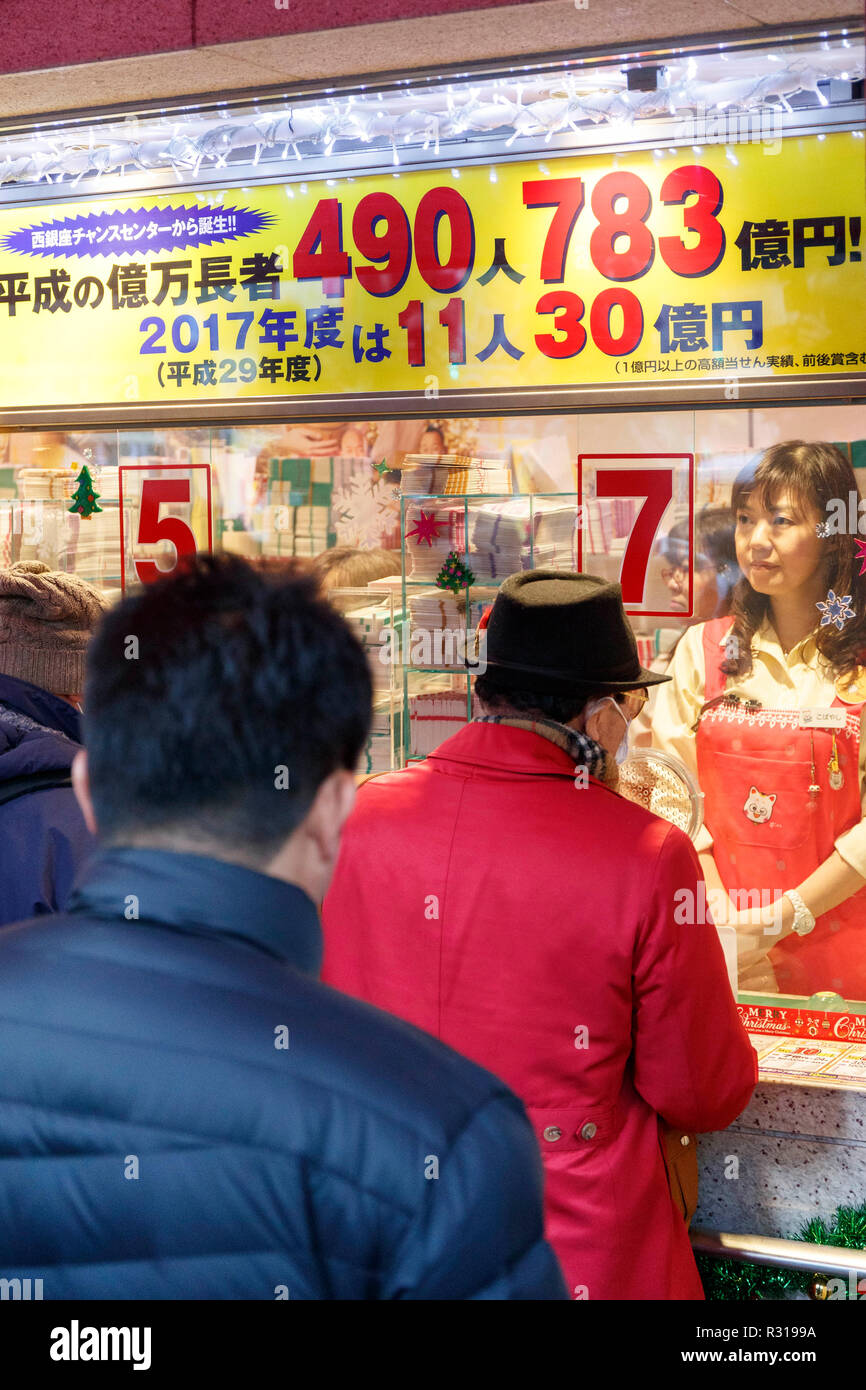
column 766, row 705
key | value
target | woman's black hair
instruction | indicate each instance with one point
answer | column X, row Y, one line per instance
column 814, row 475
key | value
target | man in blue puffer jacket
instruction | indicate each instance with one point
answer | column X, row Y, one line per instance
column 186, row 1112
column 46, row 618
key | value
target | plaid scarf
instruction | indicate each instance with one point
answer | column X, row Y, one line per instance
column 583, row 749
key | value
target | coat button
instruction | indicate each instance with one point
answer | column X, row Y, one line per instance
column 552, row 1133
column 589, row 1131
column 685, row 1141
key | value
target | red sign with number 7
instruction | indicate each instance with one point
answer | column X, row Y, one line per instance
column 629, row 502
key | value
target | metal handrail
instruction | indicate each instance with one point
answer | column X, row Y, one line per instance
column 789, row 1254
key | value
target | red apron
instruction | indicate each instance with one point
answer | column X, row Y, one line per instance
column 770, row 831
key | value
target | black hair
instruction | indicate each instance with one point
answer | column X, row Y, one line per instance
column 496, row 696
column 714, row 537
column 217, row 701
column 715, row 549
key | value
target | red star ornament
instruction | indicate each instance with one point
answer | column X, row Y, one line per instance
column 425, row 529
column 861, row 555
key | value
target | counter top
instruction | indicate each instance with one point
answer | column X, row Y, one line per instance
column 826, row 1063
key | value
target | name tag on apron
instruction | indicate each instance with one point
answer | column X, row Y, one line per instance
column 822, row 718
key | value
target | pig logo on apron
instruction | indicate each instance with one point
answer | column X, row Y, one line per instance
column 759, row 807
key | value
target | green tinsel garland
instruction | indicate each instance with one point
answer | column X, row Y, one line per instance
column 732, row 1279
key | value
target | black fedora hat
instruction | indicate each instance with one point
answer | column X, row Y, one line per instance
column 556, row 631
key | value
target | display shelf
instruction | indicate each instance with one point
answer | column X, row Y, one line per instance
column 494, row 535
column 372, row 615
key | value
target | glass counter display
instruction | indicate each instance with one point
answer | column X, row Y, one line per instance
column 456, row 550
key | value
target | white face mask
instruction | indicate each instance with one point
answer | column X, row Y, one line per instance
column 594, row 706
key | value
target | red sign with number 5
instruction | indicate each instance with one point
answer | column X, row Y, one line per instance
column 146, row 489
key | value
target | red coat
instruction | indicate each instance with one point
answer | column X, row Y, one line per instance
column 530, row 923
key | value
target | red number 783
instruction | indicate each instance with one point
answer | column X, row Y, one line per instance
column 621, row 203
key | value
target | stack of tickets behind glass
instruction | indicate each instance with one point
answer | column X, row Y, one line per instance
column 434, row 716
column 443, row 625
column 453, row 475
column 495, row 538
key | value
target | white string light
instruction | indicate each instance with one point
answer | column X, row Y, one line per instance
column 519, row 108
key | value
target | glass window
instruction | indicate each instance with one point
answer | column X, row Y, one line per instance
column 419, row 520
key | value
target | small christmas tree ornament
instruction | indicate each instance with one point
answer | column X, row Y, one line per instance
column 85, row 495
column 454, row 574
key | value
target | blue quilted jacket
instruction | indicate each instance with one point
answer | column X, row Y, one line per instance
column 186, row 1112
column 43, row 838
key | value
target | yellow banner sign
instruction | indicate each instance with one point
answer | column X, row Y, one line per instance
column 646, row 267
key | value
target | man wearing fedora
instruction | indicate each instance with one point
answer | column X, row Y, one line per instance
column 504, row 897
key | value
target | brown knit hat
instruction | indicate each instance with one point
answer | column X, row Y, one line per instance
column 46, row 618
